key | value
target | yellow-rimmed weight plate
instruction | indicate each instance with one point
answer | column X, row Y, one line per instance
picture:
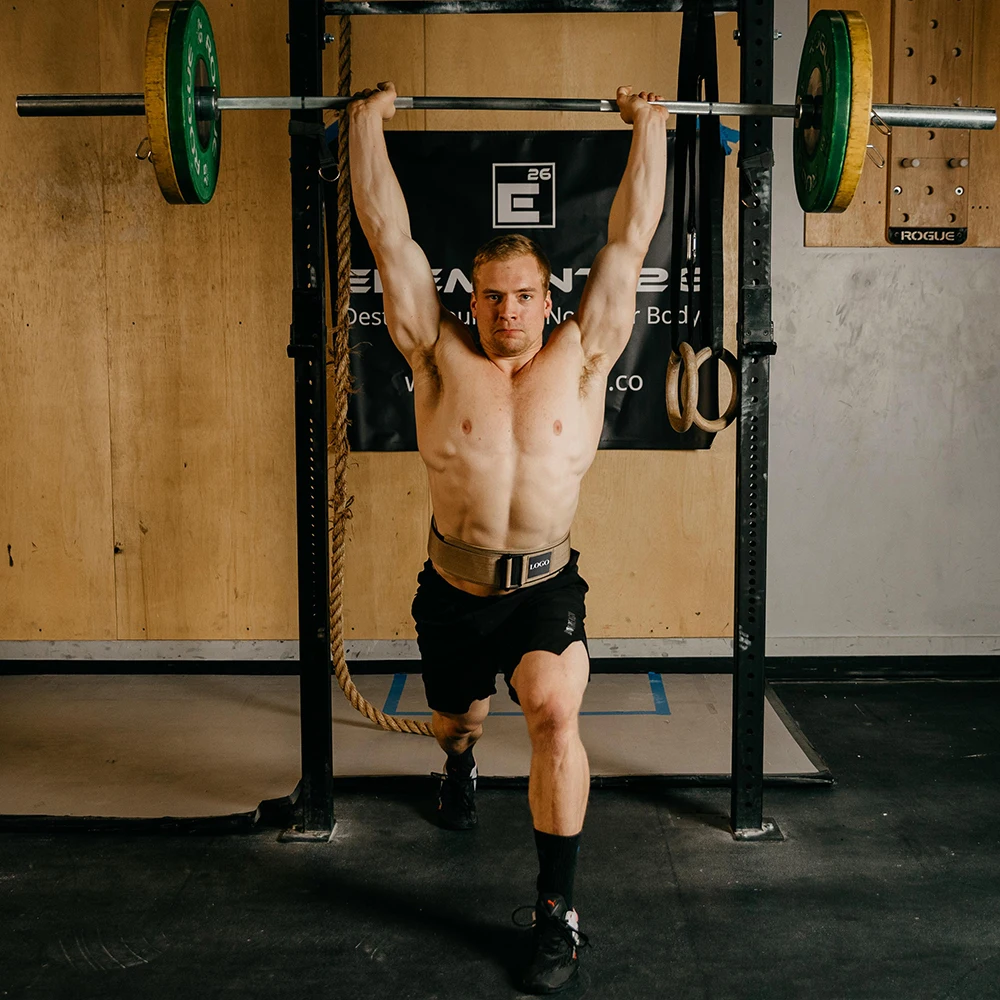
column 823, row 95
column 181, row 66
column 862, row 72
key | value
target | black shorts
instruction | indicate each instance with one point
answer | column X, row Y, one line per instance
column 465, row 640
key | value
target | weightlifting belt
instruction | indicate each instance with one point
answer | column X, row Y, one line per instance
column 503, row 570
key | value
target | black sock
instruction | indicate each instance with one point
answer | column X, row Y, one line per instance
column 461, row 765
column 557, row 864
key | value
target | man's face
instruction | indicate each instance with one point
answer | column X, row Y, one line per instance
column 510, row 307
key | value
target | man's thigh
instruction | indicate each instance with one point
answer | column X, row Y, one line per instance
column 550, row 683
column 547, row 642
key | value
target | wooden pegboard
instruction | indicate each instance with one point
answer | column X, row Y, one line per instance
column 931, row 63
column 926, row 53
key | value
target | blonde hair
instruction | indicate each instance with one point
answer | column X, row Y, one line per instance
column 507, row 248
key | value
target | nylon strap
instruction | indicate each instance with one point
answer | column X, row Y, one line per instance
column 698, row 198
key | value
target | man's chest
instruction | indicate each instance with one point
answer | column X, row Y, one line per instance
column 544, row 409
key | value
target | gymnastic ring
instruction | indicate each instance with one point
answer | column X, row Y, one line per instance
column 683, row 415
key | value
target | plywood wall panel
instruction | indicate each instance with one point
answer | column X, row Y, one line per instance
column 56, row 559
column 181, row 447
column 201, row 387
column 984, row 155
column 388, row 48
column 386, row 543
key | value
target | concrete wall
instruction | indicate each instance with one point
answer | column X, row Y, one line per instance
column 885, row 433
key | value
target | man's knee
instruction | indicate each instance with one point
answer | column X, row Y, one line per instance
column 457, row 726
column 551, row 717
column 550, row 689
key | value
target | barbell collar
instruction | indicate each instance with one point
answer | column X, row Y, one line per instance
column 114, row 105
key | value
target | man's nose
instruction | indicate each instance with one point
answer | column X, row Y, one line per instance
column 509, row 306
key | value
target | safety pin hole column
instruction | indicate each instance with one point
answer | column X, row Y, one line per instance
column 755, row 336
column 314, row 819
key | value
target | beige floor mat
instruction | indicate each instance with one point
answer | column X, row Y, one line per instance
column 213, row 745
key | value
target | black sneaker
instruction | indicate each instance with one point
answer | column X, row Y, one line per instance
column 557, row 939
column 457, row 801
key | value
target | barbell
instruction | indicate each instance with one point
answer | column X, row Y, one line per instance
column 183, row 107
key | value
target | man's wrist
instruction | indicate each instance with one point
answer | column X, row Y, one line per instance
column 643, row 113
column 360, row 113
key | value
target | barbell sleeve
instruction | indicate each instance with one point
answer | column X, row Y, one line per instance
column 926, row 116
column 79, row 105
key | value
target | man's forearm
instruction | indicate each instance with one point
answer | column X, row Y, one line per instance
column 638, row 204
column 378, row 198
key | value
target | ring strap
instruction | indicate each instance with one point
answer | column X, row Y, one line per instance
column 493, row 568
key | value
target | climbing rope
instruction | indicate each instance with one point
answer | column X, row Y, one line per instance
column 339, row 385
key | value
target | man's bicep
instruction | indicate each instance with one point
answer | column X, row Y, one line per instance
column 409, row 295
column 607, row 306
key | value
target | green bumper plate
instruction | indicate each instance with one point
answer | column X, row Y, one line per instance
column 824, row 93
column 181, row 61
column 192, row 65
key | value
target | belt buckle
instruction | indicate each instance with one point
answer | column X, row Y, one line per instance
column 508, row 571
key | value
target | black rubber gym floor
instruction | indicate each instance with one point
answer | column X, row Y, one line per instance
column 887, row 886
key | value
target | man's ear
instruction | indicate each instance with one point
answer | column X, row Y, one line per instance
column 472, row 304
column 548, row 302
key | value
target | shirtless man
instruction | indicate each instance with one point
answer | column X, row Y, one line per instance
column 507, row 428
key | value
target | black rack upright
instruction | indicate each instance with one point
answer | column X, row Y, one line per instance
column 314, row 817
column 755, row 337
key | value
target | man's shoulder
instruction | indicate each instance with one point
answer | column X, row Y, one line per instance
column 567, row 340
column 454, row 333
column 565, row 334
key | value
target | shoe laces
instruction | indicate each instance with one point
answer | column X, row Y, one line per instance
column 567, row 926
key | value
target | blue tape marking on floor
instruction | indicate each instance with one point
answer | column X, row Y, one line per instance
column 660, row 706
column 395, row 693
column 659, row 695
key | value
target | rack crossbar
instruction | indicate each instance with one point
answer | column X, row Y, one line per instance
column 515, row 7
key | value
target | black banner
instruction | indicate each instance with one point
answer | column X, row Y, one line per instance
column 464, row 188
